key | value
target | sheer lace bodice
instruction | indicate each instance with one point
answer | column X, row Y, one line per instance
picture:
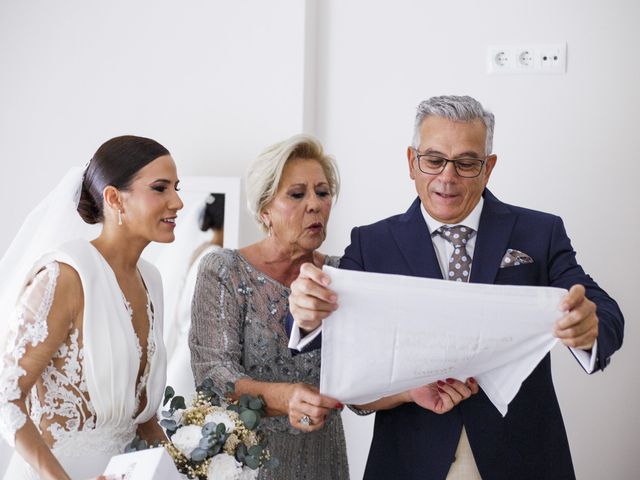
column 59, row 403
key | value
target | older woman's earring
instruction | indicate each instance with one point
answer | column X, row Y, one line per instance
column 119, row 217
column 270, row 230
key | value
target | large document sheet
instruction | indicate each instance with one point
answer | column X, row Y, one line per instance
column 392, row 333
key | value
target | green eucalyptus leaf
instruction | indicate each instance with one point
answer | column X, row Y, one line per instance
column 241, row 452
column 209, row 428
column 168, row 424
column 222, row 429
column 255, row 450
column 249, row 418
column 215, row 449
column 206, row 443
column 206, row 386
column 252, row 462
column 198, row 455
column 209, row 397
column 234, row 408
column 256, row 404
column 139, row 444
column 244, row 400
column 169, row 392
column 136, row 444
column 178, row 403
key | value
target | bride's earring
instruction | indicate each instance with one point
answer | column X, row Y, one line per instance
column 119, row 217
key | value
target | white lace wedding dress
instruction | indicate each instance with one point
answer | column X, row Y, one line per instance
column 86, row 401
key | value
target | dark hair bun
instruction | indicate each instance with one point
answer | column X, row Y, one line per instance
column 213, row 214
column 87, row 208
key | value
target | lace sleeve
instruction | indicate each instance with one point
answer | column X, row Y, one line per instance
column 28, row 329
column 215, row 338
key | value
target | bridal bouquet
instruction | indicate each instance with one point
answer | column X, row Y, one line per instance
column 211, row 442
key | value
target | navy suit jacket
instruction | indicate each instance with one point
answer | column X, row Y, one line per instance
column 410, row 442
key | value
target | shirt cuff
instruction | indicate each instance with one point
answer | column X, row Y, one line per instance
column 298, row 342
column 586, row 359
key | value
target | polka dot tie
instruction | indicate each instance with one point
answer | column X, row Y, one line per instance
column 460, row 262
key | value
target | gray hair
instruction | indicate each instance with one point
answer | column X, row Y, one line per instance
column 264, row 173
column 458, row 109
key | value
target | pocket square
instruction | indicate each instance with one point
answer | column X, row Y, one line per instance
column 513, row 258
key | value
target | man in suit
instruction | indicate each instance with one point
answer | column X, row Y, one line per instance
column 451, row 430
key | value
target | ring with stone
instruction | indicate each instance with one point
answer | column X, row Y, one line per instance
column 305, row 420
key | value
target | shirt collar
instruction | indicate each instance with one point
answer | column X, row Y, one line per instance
column 472, row 220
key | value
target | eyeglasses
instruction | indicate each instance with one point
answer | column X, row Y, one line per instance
column 435, row 165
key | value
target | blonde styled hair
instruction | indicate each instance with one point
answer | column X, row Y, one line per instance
column 264, row 173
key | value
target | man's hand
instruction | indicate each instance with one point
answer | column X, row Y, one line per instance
column 440, row 397
column 578, row 328
column 310, row 301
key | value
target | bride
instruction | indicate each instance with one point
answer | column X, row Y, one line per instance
column 83, row 369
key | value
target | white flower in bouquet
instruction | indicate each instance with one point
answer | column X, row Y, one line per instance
column 187, row 438
column 177, row 416
column 225, row 467
column 219, row 417
column 248, row 474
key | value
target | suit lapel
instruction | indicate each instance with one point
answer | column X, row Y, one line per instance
column 494, row 231
column 412, row 236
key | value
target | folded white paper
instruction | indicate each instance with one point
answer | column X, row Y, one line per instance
column 151, row 464
column 392, row 333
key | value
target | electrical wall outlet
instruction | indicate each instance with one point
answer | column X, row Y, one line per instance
column 501, row 59
column 553, row 57
column 527, row 59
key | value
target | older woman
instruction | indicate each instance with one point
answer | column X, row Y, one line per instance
column 241, row 299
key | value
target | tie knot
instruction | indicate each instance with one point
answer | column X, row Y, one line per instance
column 458, row 235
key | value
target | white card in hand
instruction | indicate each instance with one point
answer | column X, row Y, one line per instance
column 151, row 464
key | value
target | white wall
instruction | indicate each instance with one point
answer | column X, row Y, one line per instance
column 216, row 81
column 565, row 144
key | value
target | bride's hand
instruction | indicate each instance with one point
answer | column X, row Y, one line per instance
column 440, row 397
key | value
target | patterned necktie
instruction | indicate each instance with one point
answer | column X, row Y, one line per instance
column 459, row 268
column 460, row 262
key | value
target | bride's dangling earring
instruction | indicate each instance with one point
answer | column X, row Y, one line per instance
column 119, row 217
column 270, row 230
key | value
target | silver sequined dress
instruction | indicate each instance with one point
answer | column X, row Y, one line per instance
column 237, row 330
